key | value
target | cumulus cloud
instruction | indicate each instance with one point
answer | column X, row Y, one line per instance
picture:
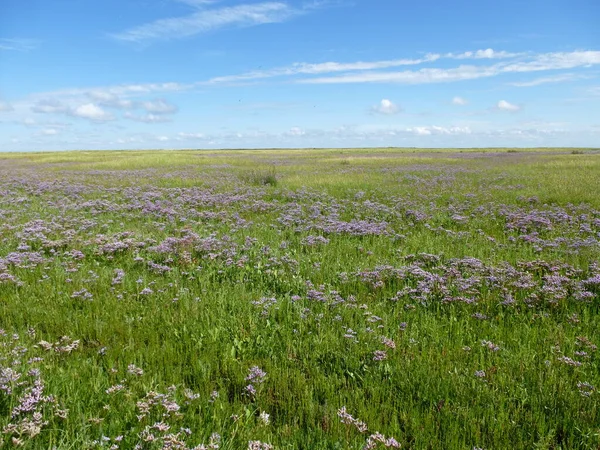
column 503, row 105
column 49, row 132
column 91, row 112
column 88, row 111
column 420, row 131
column 386, row 107
column 459, row 101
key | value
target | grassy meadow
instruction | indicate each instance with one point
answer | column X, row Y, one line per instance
column 300, row 299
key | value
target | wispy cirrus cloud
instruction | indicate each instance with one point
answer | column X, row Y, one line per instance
column 435, row 130
column 147, row 118
column 159, row 106
column 488, row 53
column 323, row 68
column 110, row 100
column 204, row 20
column 552, row 79
column 18, row 44
column 182, row 136
column 536, row 63
column 50, row 106
column 48, row 132
column 197, row 3
column 5, row 106
column 372, row 71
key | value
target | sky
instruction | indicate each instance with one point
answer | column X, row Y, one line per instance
column 128, row 74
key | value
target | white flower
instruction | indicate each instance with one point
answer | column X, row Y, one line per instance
column 264, row 417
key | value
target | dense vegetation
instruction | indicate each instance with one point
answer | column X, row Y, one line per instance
column 301, row 299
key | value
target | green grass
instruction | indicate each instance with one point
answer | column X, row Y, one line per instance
column 246, row 221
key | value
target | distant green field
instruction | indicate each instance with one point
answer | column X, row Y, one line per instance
column 300, row 299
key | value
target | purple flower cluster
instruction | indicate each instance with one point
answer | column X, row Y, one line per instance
column 256, row 376
column 22, row 381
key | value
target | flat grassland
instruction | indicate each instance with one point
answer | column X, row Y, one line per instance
column 300, row 299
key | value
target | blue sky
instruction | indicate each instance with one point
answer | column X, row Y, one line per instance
column 83, row 74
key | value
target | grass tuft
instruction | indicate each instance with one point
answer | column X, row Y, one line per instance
column 259, row 177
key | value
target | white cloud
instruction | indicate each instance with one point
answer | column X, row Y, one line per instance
column 49, row 132
column 503, row 105
column 185, row 136
column 541, row 62
column 18, row 44
column 326, row 67
column 421, row 76
column 459, row 101
column 91, row 112
column 332, row 67
column 197, row 2
column 205, row 20
column 50, row 106
column 5, row 107
column 159, row 106
column 112, row 95
column 88, row 111
column 553, row 79
column 438, row 130
column 129, row 140
column 162, row 138
column 483, row 54
column 386, row 107
column 420, row 131
column 110, row 100
column 296, row 131
column 147, row 118
column 476, row 134
column 76, row 102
